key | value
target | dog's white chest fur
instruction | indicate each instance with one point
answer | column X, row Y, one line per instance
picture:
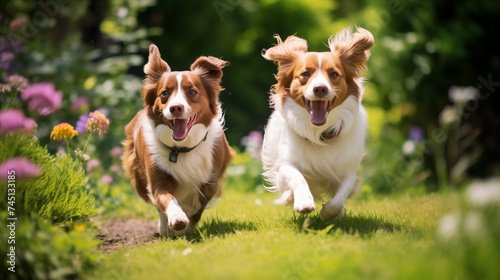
column 290, row 139
column 193, row 168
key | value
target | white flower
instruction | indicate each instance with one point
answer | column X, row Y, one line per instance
column 258, row 202
column 82, row 157
column 61, row 154
column 461, row 95
column 448, row 116
column 187, row 251
column 408, row 147
column 448, row 226
column 237, row 170
column 484, row 192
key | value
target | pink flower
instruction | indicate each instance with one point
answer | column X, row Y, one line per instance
column 4, row 88
column 91, row 164
column 79, row 103
column 116, row 151
column 22, row 167
column 17, row 23
column 12, row 120
column 43, row 97
column 107, row 179
column 253, row 143
column 97, row 121
column 116, row 168
column 17, row 82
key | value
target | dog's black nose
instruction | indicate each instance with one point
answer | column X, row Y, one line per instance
column 177, row 110
column 320, row 90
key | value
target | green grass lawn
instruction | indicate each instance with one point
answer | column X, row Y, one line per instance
column 246, row 236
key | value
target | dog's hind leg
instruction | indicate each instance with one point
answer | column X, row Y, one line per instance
column 162, row 223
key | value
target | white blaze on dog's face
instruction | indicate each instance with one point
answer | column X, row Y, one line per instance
column 320, row 81
column 179, row 102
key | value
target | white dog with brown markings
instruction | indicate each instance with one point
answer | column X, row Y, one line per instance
column 315, row 138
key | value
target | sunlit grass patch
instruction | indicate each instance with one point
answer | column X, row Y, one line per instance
column 246, row 236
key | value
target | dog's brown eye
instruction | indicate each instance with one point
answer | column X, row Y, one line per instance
column 192, row 92
column 165, row 93
column 305, row 74
column 334, row 74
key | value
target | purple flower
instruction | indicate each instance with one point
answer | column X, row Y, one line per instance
column 42, row 97
column 21, row 166
column 4, row 46
column 79, row 103
column 107, row 179
column 116, row 151
column 5, row 59
column 17, row 82
column 91, row 164
column 416, row 134
column 81, row 123
column 12, row 120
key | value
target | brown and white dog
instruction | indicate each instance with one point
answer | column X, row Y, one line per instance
column 176, row 152
column 314, row 139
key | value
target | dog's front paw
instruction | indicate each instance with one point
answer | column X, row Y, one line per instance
column 178, row 223
column 331, row 211
column 304, row 206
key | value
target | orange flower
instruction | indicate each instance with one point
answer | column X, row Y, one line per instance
column 97, row 121
column 63, row 130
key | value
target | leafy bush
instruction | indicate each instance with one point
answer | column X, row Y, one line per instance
column 58, row 193
column 473, row 236
column 45, row 251
column 424, row 51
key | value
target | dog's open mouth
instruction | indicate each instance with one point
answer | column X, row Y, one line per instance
column 180, row 127
column 318, row 109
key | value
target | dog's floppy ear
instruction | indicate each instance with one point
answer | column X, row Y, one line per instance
column 154, row 69
column 285, row 53
column 155, row 66
column 209, row 69
column 352, row 49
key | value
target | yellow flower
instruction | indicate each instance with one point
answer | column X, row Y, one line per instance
column 80, row 227
column 63, row 130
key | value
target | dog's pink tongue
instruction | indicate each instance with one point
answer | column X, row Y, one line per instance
column 180, row 128
column 318, row 112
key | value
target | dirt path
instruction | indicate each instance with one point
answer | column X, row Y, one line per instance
column 119, row 232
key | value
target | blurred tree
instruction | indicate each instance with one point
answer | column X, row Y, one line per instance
column 237, row 31
column 97, row 49
column 423, row 49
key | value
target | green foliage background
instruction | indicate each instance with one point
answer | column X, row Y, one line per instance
column 97, row 49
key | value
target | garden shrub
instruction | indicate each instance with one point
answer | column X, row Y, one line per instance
column 58, row 193
column 45, row 251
